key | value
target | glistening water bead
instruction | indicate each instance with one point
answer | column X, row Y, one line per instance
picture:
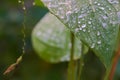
column 33, row 4
column 83, row 26
column 99, row 42
column 89, row 22
column 24, row 8
column 93, row 45
column 98, row 33
column 19, row 1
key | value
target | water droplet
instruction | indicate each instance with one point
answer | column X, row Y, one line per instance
column 76, row 10
column 83, row 19
column 24, row 8
column 77, row 29
column 99, row 42
column 104, row 25
column 79, row 22
column 62, row 17
column 107, row 49
column 98, row 4
column 89, row 22
column 93, row 45
column 104, row 17
column 95, row 2
column 60, row 8
column 84, row 30
column 98, row 33
column 68, row 12
column 80, row 28
column 19, row 1
column 90, row 19
column 110, row 9
column 102, row 8
column 89, row 31
column 82, row 15
column 64, row 58
column 33, row 3
column 83, row 26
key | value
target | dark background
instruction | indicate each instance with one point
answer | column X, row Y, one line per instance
column 33, row 67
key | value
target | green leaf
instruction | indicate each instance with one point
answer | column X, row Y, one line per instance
column 94, row 22
column 52, row 41
column 39, row 3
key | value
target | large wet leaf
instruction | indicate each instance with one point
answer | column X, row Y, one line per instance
column 52, row 41
column 94, row 22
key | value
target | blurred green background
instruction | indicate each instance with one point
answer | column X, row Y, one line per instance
column 32, row 66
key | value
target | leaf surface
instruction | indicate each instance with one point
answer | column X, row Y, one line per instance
column 94, row 22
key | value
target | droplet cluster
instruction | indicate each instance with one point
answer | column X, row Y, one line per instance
column 23, row 4
column 91, row 20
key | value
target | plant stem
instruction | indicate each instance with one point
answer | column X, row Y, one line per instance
column 24, row 28
column 115, row 61
column 107, row 73
column 71, row 66
column 13, row 66
column 81, row 63
column 110, row 72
